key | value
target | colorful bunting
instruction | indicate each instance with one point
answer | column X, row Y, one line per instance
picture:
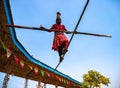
column 68, row 82
column 64, row 81
column 36, row 70
column 30, row 66
column 9, row 53
column 16, row 59
column 3, row 45
column 48, row 74
column 22, row 63
column 58, row 78
column 53, row 76
column 42, row 72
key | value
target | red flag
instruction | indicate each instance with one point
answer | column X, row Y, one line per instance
column 16, row 59
column 53, row 76
column 58, row 78
column 36, row 70
column 48, row 74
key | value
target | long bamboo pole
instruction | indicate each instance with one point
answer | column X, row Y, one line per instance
column 53, row 30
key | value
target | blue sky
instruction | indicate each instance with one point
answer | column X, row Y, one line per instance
column 85, row 52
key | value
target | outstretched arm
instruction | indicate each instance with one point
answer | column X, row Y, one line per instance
column 41, row 27
column 67, row 32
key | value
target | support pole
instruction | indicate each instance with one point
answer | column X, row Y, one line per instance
column 6, row 79
column 44, row 85
column 56, row 86
column 26, row 83
column 39, row 85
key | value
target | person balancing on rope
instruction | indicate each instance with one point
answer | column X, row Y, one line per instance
column 60, row 42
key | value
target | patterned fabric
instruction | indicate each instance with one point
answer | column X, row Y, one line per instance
column 59, row 37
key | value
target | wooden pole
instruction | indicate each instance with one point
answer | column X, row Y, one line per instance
column 39, row 84
column 56, row 86
column 26, row 83
column 44, row 85
column 53, row 30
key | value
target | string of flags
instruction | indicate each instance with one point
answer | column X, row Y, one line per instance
column 36, row 69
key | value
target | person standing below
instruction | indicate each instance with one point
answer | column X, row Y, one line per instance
column 60, row 42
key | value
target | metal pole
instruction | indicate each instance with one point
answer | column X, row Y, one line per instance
column 6, row 79
column 26, row 83
column 44, row 85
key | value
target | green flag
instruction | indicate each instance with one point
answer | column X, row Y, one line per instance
column 3, row 45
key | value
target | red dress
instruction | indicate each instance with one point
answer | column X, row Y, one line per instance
column 59, row 37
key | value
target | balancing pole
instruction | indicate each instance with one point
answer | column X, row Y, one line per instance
column 53, row 30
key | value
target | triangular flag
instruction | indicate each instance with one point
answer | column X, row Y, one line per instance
column 30, row 67
column 16, row 59
column 36, row 70
column 3, row 45
column 42, row 72
column 68, row 82
column 58, row 78
column 22, row 63
column 53, row 75
column 64, row 81
column 48, row 74
column 9, row 53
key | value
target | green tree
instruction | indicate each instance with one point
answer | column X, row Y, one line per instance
column 94, row 79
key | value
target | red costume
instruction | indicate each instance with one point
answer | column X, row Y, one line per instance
column 60, row 42
column 59, row 37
